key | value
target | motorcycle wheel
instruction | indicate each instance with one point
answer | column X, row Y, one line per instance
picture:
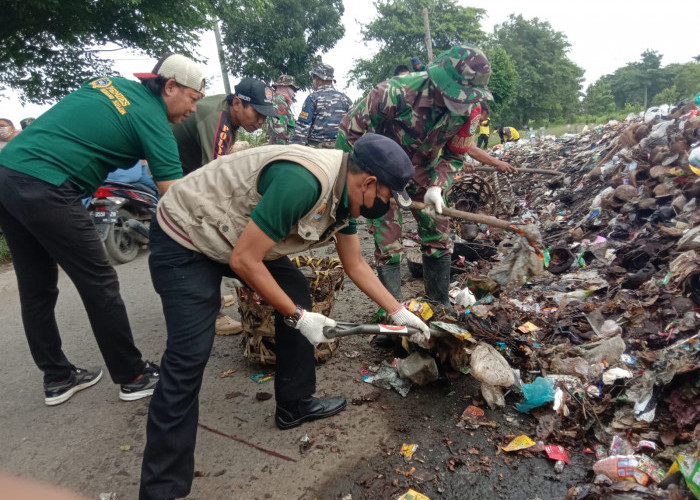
column 120, row 246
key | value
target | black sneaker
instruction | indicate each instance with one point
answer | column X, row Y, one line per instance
column 143, row 387
column 59, row 392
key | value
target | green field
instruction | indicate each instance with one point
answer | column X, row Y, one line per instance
column 4, row 251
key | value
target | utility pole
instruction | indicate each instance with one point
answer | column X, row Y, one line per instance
column 220, row 50
column 428, row 39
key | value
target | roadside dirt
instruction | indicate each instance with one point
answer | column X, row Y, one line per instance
column 93, row 443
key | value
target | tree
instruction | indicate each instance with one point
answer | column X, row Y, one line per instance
column 48, row 47
column 264, row 38
column 398, row 30
column 636, row 82
column 599, row 98
column 504, row 80
column 685, row 77
column 549, row 81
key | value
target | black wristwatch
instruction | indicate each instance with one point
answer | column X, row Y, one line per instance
column 294, row 318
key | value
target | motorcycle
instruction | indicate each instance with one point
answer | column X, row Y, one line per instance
column 122, row 215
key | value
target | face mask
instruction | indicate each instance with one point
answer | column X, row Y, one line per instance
column 378, row 209
column 6, row 132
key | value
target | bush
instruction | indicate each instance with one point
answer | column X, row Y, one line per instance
column 4, row 251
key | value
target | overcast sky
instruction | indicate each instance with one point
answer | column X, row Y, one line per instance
column 604, row 35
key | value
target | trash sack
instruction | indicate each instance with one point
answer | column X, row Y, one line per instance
column 493, row 371
column 610, row 328
column 519, row 265
column 419, row 368
column 609, row 350
column 539, row 392
column 488, row 366
column 493, row 396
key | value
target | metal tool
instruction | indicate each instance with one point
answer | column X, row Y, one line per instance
column 344, row 329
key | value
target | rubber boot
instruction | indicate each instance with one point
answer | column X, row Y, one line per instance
column 390, row 276
column 436, row 278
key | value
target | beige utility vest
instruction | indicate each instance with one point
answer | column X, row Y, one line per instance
column 208, row 210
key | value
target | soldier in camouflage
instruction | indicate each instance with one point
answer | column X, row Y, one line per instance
column 317, row 125
column 432, row 116
column 281, row 126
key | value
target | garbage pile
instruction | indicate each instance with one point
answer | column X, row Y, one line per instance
column 602, row 348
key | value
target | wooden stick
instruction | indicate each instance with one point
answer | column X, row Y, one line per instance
column 488, row 168
column 532, row 236
column 241, row 440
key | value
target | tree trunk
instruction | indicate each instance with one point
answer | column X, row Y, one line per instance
column 428, row 39
column 222, row 62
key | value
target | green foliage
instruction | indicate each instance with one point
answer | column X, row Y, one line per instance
column 685, row 77
column 399, row 31
column 636, row 82
column 264, row 38
column 47, row 46
column 669, row 95
column 4, row 251
column 549, row 81
column 257, row 138
column 599, row 98
column 504, row 79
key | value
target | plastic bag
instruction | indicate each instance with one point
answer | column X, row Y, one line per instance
column 536, row 394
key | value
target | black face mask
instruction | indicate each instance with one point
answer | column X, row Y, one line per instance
column 377, row 210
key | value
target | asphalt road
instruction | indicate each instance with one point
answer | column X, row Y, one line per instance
column 93, row 443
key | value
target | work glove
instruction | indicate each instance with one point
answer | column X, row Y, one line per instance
column 311, row 326
column 433, row 196
column 406, row 318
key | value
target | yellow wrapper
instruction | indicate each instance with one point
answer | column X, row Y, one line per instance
column 407, row 450
column 413, row 495
column 521, row 442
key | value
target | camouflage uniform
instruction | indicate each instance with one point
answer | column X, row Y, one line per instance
column 321, row 113
column 280, row 128
column 405, row 110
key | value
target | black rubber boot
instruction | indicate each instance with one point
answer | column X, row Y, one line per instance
column 390, row 276
column 436, row 278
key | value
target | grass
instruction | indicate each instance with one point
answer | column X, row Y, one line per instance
column 4, row 251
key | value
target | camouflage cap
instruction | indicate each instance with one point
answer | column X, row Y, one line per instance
column 287, row 80
column 462, row 73
column 323, row 71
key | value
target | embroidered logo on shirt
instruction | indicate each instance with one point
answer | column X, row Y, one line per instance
column 118, row 100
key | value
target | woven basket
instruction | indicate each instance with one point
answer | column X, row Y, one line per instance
column 325, row 277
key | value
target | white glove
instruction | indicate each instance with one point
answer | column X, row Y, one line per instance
column 433, row 196
column 405, row 317
column 311, row 326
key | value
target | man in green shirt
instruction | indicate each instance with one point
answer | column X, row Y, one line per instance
column 45, row 172
column 212, row 131
column 240, row 216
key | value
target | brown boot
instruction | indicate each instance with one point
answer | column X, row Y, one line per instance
column 226, row 325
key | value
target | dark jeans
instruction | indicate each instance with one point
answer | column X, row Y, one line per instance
column 483, row 139
column 47, row 226
column 189, row 285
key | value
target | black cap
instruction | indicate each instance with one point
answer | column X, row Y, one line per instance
column 257, row 94
column 384, row 158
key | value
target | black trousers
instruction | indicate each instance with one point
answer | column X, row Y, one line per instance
column 189, row 285
column 483, row 139
column 47, row 226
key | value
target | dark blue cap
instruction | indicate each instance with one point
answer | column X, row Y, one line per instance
column 384, row 158
column 415, row 60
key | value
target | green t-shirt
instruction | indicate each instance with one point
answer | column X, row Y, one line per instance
column 288, row 192
column 108, row 123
